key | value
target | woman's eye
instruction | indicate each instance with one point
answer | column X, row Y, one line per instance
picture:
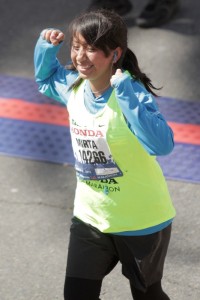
column 75, row 48
column 91, row 49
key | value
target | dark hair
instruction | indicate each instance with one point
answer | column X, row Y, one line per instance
column 106, row 30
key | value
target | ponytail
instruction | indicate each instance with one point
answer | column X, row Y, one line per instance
column 130, row 63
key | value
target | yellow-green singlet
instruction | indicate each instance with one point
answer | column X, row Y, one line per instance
column 129, row 191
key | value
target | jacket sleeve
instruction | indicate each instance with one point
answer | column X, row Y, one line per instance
column 144, row 119
column 52, row 78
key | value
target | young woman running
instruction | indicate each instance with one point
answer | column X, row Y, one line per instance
column 122, row 208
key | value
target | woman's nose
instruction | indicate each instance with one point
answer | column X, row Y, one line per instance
column 81, row 54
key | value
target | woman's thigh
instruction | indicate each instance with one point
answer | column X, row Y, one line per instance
column 91, row 254
column 143, row 257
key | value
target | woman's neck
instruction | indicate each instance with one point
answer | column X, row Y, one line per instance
column 98, row 90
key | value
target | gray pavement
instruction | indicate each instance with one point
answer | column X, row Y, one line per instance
column 36, row 198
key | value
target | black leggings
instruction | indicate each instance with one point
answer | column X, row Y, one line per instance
column 87, row 289
column 82, row 289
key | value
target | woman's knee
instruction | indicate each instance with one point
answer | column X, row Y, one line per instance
column 82, row 289
column 154, row 292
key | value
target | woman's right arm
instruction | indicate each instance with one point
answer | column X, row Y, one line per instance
column 53, row 79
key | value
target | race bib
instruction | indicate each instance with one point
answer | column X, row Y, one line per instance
column 93, row 158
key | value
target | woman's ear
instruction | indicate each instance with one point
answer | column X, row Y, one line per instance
column 117, row 54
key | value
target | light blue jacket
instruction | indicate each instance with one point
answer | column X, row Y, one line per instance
column 138, row 105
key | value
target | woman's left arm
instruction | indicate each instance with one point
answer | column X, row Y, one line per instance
column 141, row 112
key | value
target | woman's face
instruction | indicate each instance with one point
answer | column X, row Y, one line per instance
column 90, row 62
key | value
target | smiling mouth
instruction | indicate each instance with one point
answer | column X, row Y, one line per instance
column 84, row 68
